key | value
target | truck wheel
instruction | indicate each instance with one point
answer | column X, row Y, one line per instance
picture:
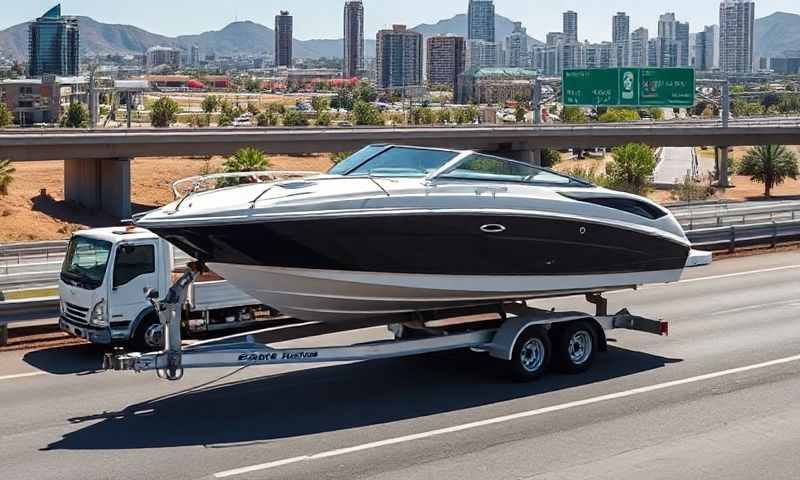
column 149, row 336
column 531, row 355
column 575, row 347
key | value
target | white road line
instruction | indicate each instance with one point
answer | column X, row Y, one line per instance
column 22, row 375
column 504, row 419
column 790, row 303
column 740, row 274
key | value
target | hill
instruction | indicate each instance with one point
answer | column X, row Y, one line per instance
column 776, row 34
column 457, row 25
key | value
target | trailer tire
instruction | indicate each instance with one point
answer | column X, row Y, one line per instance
column 575, row 347
column 149, row 335
column 531, row 355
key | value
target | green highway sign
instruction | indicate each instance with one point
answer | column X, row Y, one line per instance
column 634, row 87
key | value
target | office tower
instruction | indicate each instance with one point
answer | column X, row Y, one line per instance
column 482, row 54
column 480, row 20
column 283, row 39
column 162, row 57
column 639, row 44
column 399, row 58
column 621, row 38
column 736, row 22
column 682, row 37
column 54, row 45
column 554, row 38
column 570, row 28
column 353, row 38
column 517, row 52
column 194, row 56
column 446, row 60
column 666, row 26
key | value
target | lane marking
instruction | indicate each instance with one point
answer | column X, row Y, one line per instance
column 503, row 419
column 789, row 303
column 740, row 274
column 22, row 375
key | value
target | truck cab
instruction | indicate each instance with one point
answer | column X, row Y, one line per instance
column 103, row 287
column 103, row 282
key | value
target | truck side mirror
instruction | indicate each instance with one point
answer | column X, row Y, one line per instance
column 151, row 294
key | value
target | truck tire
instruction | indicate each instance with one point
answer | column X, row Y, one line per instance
column 575, row 346
column 149, row 336
column 531, row 355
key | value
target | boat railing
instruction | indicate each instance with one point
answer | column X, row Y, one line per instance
column 202, row 183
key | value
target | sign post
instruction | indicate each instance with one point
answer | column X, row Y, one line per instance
column 629, row 87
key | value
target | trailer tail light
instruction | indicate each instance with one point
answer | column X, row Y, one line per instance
column 665, row 329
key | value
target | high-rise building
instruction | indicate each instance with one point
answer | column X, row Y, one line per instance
column 554, row 38
column 663, row 53
column 54, row 45
column 621, row 38
column 682, row 37
column 666, row 26
column 353, row 38
column 707, row 49
column 283, row 39
column 482, row 54
column 162, row 58
column 517, row 53
column 399, row 58
column 570, row 28
column 446, row 60
column 480, row 20
column 639, row 44
column 194, row 55
column 599, row 55
column 736, row 22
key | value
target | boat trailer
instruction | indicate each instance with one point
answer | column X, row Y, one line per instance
column 523, row 336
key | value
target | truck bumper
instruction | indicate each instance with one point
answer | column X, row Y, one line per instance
column 95, row 335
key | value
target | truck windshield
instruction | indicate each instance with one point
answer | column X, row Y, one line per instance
column 86, row 262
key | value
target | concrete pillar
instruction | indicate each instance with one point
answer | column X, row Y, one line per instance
column 722, row 167
column 533, row 157
column 99, row 184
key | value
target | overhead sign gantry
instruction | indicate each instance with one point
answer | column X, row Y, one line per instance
column 629, row 87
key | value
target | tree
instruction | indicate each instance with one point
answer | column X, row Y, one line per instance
column 366, row 114
column 77, row 116
column 520, row 112
column 444, row 116
column 573, row 115
column 365, row 92
column 6, row 118
column 6, row 176
column 339, row 156
column 210, row 104
column 770, row 165
column 295, row 118
column 246, row 160
column 550, row 157
column 267, row 119
column 742, row 108
column 618, row 115
column 770, row 100
column 324, row 118
column 164, row 112
column 633, row 165
column 253, row 109
column 422, row 116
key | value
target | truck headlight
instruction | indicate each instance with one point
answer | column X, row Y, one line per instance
column 98, row 318
column 62, row 306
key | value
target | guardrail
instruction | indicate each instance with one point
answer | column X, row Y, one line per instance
column 736, row 236
column 27, row 310
column 719, row 217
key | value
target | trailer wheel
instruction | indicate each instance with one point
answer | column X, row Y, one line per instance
column 531, row 355
column 149, row 336
column 575, row 347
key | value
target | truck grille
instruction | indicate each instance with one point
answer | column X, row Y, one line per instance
column 76, row 314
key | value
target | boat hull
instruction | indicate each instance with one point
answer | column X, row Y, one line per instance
column 355, row 266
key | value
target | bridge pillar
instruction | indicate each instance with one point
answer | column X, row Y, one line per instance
column 525, row 155
column 722, row 167
column 99, row 184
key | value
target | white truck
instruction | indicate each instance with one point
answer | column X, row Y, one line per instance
column 107, row 273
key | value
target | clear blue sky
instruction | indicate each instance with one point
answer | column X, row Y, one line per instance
column 322, row 18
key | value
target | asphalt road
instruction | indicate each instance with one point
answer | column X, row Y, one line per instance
column 717, row 399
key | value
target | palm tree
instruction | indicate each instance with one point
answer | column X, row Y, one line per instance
column 770, row 165
column 6, row 176
column 246, row 160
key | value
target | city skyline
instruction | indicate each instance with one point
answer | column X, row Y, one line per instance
column 313, row 18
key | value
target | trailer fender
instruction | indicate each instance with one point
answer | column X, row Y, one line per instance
column 502, row 345
column 139, row 318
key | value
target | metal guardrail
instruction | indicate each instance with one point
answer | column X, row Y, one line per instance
column 692, row 219
column 27, row 310
column 736, row 236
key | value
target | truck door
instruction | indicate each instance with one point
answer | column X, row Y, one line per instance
column 134, row 272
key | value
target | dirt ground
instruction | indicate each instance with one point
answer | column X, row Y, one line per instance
column 35, row 207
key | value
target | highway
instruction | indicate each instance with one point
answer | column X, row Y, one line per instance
column 715, row 400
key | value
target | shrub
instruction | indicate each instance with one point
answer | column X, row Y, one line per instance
column 164, row 112
column 295, row 118
column 324, row 118
column 6, row 118
column 550, row 157
column 632, row 168
column 573, row 115
column 366, row 114
column 589, row 173
column 210, row 104
column 618, row 115
column 690, row 191
column 339, row 156
column 267, row 119
column 6, row 176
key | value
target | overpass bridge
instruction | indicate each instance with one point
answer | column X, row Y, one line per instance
column 97, row 162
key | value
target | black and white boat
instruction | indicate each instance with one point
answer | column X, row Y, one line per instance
column 396, row 230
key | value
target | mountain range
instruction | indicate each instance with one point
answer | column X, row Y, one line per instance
column 775, row 34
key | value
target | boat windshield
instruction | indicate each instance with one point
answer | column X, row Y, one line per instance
column 388, row 161
column 487, row 168
column 85, row 263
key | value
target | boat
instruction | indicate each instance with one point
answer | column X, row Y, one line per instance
column 399, row 230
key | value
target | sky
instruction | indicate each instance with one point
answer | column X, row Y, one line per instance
column 323, row 18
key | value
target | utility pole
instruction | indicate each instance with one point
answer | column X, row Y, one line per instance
column 722, row 165
column 93, row 98
column 536, row 101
